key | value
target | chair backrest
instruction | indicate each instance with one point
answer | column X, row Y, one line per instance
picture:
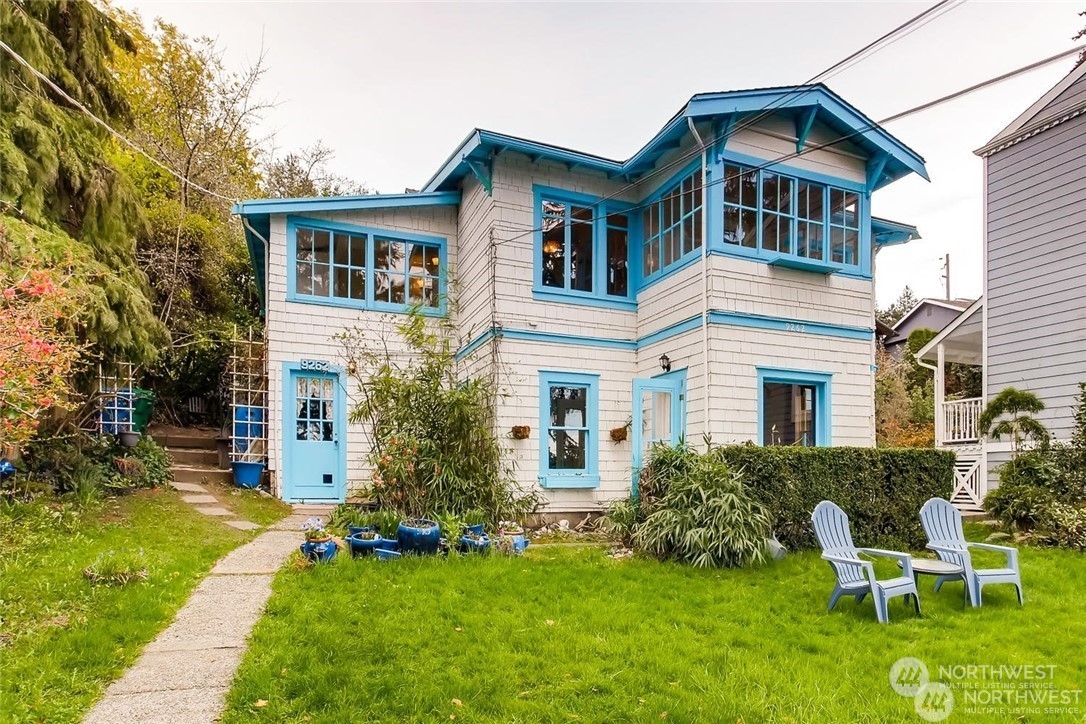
column 833, row 533
column 942, row 523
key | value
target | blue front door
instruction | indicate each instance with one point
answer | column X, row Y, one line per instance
column 314, row 445
column 657, row 416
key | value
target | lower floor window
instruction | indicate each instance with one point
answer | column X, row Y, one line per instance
column 794, row 407
column 788, row 415
column 569, row 415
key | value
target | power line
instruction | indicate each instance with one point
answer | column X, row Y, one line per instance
column 846, row 137
column 904, row 29
column 60, row 91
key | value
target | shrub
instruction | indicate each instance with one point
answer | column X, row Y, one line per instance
column 704, row 515
column 621, row 518
column 881, row 489
column 117, row 568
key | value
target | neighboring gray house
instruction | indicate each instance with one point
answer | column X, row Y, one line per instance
column 1029, row 329
column 932, row 314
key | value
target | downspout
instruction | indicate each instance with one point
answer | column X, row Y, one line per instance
column 704, row 276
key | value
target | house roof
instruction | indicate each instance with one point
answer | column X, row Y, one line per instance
column 804, row 104
column 962, row 339
column 1034, row 119
column 885, row 232
column 956, row 304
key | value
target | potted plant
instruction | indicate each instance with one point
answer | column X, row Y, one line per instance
column 418, row 535
column 474, row 542
column 363, row 540
column 129, row 438
column 520, row 432
column 511, row 537
column 318, row 545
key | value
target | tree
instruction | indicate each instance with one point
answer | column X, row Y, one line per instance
column 1081, row 34
column 901, row 306
column 1010, row 413
column 306, row 174
column 903, row 416
column 57, row 165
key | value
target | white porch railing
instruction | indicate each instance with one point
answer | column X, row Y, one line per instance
column 960, row 421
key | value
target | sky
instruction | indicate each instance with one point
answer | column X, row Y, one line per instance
column 393, row 88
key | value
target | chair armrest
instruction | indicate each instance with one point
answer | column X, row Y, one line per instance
column 905, row 558
column 1010, row 553
column 868, row 569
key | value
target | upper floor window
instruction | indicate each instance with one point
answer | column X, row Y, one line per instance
column 372, row 269
column 672, row 225
column 781, row 214
column 582, row 251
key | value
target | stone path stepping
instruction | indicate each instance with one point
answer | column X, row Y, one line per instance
column 188, row 487
column 241, row 524
column 183, row 675
column 199, row 499
column 221, row 512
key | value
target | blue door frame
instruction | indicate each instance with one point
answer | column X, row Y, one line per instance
column 314, row 435
column 672, row 383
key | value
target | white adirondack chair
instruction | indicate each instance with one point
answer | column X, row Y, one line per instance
column 856, row 577
column 943, row 525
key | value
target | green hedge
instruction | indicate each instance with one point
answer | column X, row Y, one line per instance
column 881, row 489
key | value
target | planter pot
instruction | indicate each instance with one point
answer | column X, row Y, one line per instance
column 387, row 544
column 129, row 438
column 514, row 542
column 247, row 475
column 469, row 544
column 319, row 551
column 352, row 529
column 383, row 554
column 477, row 529
column 362, row 546
column 419, row 536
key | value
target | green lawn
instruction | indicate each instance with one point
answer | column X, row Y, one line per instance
column 567, row 634
column 61, row 639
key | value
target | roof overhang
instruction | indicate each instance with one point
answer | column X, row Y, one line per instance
column 1028, row 124
column 256, row 218
column 962, row 340
column 885, row 232
column 889, row 158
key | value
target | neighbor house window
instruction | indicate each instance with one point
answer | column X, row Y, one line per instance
column 776, row 213
column 793, row 407
column 583, row 249
column 366, row 268
column 672, row 225
column 569, row 435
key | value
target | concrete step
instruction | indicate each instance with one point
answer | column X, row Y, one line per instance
column 198, row 474
column 186, row 441
column 194, row 457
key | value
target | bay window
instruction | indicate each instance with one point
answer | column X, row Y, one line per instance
column 672, row 226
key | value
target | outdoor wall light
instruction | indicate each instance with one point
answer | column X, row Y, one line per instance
column 665, row 363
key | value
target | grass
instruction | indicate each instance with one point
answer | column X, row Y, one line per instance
column 63, row 639
column 567, row 634
column 252, row 505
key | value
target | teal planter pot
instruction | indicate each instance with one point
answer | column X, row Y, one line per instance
column 319, row 551
column 247, row 475
column 474, row 543
column 361, row 546
column 419, row 536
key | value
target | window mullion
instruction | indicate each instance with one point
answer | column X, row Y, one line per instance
column 371, row 276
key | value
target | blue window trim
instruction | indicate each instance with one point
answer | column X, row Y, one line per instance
column 598, row 297
column 861, row 270
column 560, row 480
column 289, row 430
column 369, row 303
column 821, row 381
column 686, row 259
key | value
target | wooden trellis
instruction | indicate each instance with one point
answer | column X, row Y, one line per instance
column 248, row 399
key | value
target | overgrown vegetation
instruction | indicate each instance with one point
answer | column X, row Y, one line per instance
column 1042, row 490
column 881, row 489
column 434, row 449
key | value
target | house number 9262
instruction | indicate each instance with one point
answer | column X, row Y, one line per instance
column 314, row 365
column 794, row 327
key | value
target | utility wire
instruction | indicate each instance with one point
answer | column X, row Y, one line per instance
column 909, row 26
column 846, row 137
column 60, row 91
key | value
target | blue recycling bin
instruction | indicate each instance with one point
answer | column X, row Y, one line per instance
column 248, row 426
column 115, row 416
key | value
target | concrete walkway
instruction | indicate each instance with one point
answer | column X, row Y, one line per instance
column 183, row 675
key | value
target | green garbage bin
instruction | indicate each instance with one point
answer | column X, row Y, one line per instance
column 143, row 405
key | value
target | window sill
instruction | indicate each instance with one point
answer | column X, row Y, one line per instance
column 569, row 482
column 800, row 263
column 360, row 304
column 544, row 294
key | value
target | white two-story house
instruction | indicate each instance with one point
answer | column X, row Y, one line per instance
column 718, row 282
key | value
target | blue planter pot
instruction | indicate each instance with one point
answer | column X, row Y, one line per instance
column 361, row 546
column 477, row 529
column 318, row 552
column 383, row 554
column 518, row 542
column 474, row 545
column 352, row 529
column 247, row 475
column 419, row 536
